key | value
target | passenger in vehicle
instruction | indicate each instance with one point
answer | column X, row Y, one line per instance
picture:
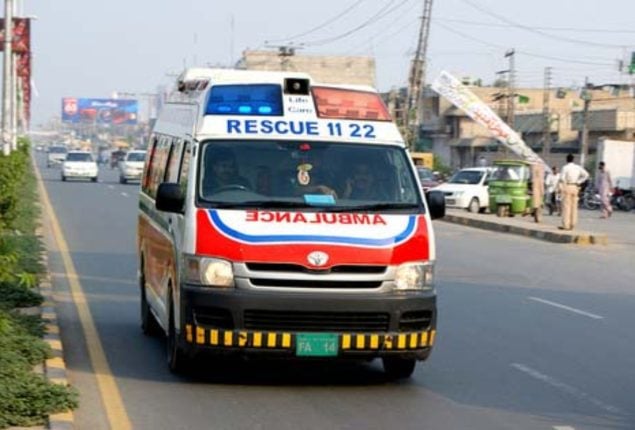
column 363, row 185
column 221, row 173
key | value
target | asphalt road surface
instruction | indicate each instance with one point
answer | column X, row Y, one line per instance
column 531, row 335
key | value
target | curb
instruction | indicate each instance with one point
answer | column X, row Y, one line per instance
column 540, row 233
column 54, row 367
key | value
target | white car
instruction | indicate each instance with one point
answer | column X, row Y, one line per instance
column 80, row 164
column 56, row 155
column 131, row 167
column 467, row 189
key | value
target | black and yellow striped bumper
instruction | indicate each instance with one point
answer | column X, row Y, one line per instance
column 348, row 342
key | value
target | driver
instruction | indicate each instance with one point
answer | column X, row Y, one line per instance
column 222, row 172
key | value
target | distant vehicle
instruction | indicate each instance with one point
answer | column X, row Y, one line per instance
column 467, row 189
column 427, row 178
column 56, row 155
column 116, row 157
column 80, row 165
column 131, row 167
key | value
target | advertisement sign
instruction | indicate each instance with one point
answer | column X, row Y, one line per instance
column 461, row 96
column 100, row 111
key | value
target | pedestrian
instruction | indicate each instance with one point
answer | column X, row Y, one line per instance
column 571, row 176
column 551, row 190
column 604, row 185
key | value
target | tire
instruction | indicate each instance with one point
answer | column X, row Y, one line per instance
column 474, row 205
column 177, row 360
column 63, row 178
column 94, row 179
column 122, row 180
column 399, row 368
column 149, row 324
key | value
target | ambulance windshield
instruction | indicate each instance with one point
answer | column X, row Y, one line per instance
column 296, row 174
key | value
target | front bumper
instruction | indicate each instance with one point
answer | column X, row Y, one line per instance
column 132, row 176
column 366, row 326
column 80, row 174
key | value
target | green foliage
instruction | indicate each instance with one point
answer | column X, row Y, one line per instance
column 25, row 398
column 18, row 296
column 439, row 166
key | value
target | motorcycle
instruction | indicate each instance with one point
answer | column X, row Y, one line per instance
column 623, row 199
column 590, row 198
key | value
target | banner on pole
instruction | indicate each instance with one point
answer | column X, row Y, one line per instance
column 463, row 98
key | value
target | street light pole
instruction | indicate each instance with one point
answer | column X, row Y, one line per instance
column 7, row 78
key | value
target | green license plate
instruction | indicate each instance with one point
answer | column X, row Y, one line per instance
column 316, row 345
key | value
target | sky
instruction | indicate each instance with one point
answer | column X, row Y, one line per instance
column 89, row 48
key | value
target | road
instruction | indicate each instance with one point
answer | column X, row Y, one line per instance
column 531, row 335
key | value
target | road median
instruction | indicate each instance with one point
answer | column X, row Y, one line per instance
column 523, row 226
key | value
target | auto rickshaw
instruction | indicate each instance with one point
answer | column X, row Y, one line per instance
column 509, row 186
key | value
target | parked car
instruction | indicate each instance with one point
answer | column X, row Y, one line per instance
column 131, row 167
column 80, row 164
column 427, row 178
column 467, row 189
column 56, row 155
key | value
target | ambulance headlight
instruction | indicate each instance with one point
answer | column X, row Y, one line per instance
column 414, row 276
column 210, row 272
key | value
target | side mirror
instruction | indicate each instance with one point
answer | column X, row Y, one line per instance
column 170, row 198
column 436, row 204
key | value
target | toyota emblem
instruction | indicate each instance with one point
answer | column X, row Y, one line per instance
column 317, row 258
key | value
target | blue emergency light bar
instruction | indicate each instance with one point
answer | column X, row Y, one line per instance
column 247, row 99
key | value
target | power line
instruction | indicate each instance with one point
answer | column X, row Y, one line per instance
column 321, row 26
column 384, row 11
column 527, row 53
column 402, row 28
column 570, row 29
column 539, row 32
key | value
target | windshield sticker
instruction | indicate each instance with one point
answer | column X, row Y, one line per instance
column 319, row 199
column 303, row 174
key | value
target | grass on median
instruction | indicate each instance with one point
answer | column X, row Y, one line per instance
column 26, row 398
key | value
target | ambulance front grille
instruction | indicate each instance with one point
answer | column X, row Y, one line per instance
column 316, row 321
column 296, row 268
column 295, row 283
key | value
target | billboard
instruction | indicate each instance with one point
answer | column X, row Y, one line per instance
column 100, row 111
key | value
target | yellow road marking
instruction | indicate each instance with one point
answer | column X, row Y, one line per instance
column 108, row 390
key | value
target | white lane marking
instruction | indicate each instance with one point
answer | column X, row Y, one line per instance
column 563, row 428
column 112, row 187
column 124, row 194
column 567, row 308
column 566, row 388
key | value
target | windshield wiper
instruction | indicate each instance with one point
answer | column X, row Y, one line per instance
column 260, row 204
column 374, row 207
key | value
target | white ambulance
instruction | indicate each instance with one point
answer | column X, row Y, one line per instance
column 284, row 217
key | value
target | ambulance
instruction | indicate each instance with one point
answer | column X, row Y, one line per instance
column 282, row 217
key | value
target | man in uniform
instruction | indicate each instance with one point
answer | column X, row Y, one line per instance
column 571, row 177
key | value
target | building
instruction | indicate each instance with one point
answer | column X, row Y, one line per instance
column 322, row 68
column 459, row 141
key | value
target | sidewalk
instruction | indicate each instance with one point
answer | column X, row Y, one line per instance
column 591, row 230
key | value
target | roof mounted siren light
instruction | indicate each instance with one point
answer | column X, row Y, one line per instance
column 296, row 86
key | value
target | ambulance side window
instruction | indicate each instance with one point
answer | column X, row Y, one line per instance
column 185, row 166
column 174, row 161
column 145, row 187
column 158, row 165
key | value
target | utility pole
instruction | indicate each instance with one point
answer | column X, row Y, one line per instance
column 584, row 147
column 511, row 88
column 416, row 78
column 546, row 134
column 7, row 83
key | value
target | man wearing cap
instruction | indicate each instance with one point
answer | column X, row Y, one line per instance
column 571, row 177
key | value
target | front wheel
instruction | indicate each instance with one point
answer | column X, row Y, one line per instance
column 474, row 205
column 149, row 324
column 399, row 368
column 63, row 178
column 177, row 360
